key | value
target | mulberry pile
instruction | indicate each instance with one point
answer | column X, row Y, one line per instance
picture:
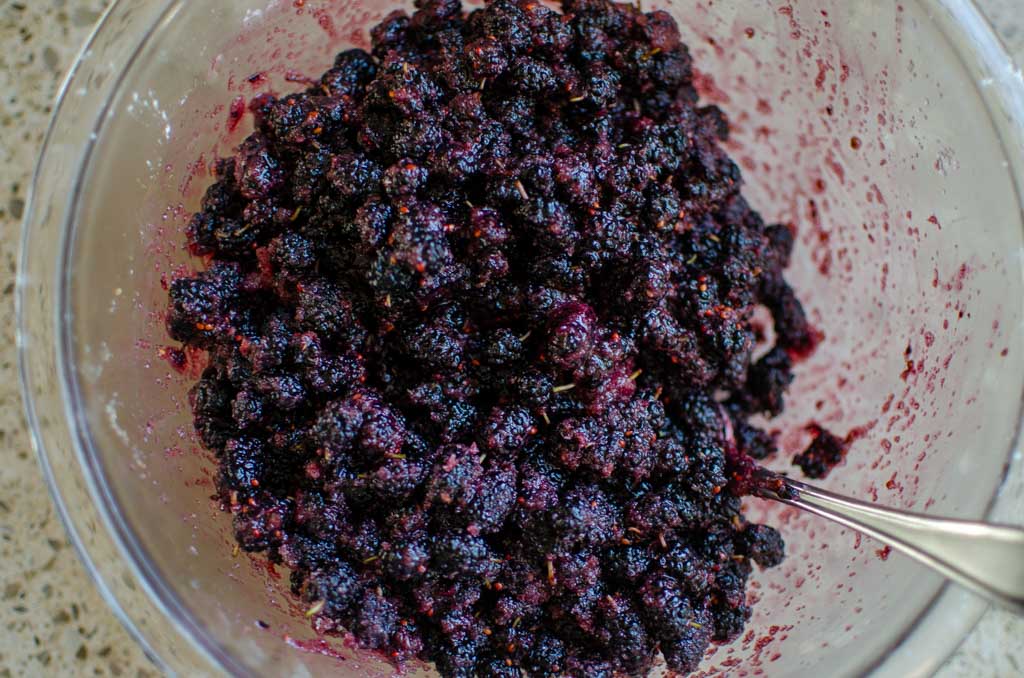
column 477, row 307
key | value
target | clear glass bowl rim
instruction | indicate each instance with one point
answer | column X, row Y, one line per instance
column 972, row 27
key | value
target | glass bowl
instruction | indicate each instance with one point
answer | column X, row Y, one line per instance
column 888, row 134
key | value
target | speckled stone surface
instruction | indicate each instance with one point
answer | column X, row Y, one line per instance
column 52, row 620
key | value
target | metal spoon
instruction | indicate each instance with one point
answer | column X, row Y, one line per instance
column 987, row 559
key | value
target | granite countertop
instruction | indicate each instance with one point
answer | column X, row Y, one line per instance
column 52, row 620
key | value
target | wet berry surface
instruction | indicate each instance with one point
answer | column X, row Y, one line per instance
column 477, row 310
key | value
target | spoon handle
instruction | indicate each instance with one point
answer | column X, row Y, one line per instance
column 987, row 559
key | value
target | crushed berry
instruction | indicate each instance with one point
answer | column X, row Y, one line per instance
column 824, row 453
column 478, row 318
